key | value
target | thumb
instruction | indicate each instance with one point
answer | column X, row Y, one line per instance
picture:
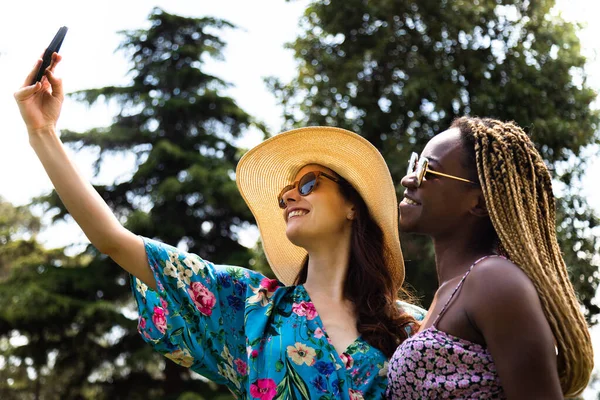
column 27, row 91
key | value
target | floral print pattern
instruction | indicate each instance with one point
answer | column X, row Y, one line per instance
column 436, row 365
column 433, row 364
column 239, row 328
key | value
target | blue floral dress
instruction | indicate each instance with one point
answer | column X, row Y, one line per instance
column 236, row 327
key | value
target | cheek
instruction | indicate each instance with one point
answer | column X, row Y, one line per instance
column 329, row 214
column 332, row 212
column 446, row 208
column 439, row 205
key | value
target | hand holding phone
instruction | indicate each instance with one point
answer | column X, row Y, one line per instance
column 52, row 48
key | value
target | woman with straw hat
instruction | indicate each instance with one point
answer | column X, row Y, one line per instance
column 326, row 208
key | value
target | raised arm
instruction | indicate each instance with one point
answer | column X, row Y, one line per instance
column 40, row 107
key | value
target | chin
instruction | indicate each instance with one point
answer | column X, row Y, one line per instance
column 296, row 236
column 408, row 226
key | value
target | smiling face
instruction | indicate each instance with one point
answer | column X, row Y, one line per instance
column 319, row 217
column 440, row 205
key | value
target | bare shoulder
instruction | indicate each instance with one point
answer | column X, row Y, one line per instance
column 505, row 307
column 499, row 280
column 501, row 294
column 501, row 298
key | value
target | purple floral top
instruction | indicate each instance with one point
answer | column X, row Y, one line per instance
column 236, row 327
column 433, row 364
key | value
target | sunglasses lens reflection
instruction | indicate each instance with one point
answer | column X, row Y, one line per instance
column 412, row 163
column 307, row 183
column 305, row 186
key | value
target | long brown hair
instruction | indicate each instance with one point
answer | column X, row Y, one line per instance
column 517, row 188
column 369, row 284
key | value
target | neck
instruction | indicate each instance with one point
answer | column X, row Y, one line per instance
column 455, row 253
column 327, row 268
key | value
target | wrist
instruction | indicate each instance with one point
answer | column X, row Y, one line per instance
column 38, row 134
column 42, row 131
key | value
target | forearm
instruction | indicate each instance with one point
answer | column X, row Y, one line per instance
column 82, row 201
column 40, row 106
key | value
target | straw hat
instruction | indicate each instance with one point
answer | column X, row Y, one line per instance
column 264, row 170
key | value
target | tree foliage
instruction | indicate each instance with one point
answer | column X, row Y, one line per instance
column 79, row 322
column 396, row 72
column 399, row 71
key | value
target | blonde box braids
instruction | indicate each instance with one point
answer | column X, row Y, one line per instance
column 518, row 193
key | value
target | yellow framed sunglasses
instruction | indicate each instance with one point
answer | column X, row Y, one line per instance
column 420, row 167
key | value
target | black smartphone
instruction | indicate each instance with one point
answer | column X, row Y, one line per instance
column 53, row 47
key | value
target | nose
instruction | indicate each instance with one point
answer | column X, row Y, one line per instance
column 409, row 181
column 291, row 195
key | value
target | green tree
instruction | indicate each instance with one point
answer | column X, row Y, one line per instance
column 45, row 314
column 398, row 72
column 63, row 332
column 15, row 223
column 181, row 132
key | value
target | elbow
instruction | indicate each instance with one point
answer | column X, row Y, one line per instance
column 112, row 242
column 106, row 249
column 110, row 245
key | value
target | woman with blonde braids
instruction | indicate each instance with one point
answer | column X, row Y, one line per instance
column 504, row 322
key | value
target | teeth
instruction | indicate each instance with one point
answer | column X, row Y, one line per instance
column 297, row 213
column 409, row 201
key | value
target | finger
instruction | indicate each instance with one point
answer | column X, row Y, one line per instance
column 56, row 58
column 32, row 73
column 56, row 83
column 57, row 88
column 46, row 86
column 27, row 91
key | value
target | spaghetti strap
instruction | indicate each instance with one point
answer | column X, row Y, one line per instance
column 459, row 286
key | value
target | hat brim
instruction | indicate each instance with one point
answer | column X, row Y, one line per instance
column 264, row 170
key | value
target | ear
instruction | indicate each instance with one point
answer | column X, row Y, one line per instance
column 351, row 212
column 479, row 208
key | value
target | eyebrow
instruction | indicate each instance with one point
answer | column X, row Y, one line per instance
column 434, row 160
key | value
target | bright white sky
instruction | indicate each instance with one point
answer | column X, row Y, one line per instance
column 253, row 52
